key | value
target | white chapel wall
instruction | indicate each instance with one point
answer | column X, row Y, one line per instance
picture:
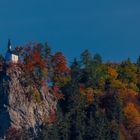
column 14, row 58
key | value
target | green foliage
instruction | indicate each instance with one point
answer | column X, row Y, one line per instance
column 34, row 95
column 138, row 61
column 133, row 87
column 97, row 59
column 86, row 58
column 108, row 87
column 96, row 98
column 128, row 72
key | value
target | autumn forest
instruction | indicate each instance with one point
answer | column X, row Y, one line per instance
column 97, row 100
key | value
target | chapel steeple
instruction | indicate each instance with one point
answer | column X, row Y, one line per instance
column 9, row 45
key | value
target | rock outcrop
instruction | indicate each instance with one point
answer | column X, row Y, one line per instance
column 16, row 109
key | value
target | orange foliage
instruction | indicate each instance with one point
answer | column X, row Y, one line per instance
column 90, row 95
column 112, row 72
column 132, row 114
column 88, row 92
column 133, row 120
column 82, row 89
column 60, row 69
column 128, row 95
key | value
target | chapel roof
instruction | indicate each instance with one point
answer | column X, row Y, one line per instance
column 10, row 48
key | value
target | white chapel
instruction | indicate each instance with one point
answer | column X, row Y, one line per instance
column 11, row 55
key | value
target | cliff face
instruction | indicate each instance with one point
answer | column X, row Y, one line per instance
column 16, row 110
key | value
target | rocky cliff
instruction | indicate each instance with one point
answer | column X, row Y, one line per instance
column 16, row 109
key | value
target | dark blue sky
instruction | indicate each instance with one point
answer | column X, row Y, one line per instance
column 111, row 28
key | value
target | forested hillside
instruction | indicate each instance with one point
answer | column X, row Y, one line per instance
column 95, row 100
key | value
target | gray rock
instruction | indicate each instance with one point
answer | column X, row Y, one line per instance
column 16, row 110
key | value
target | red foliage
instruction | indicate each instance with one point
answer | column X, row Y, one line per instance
column 18, row 49
column 13, row 134
column 33, row 58
column 27, row 49
column 125, row 132
column 81, row 87
column 59, row 96
column 53, row 117
column 57, row 93
column 43, row 82
column 60, row 63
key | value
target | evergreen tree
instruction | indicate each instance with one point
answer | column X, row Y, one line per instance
column 86, row 58
column 138, row 61
column 97, row 59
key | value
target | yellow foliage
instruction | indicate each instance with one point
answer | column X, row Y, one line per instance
column 101, row 82
column 133, row 87
column 45, row 72
column 88, row 93
column 35, row 94
column 117, row 84
column 62, row 80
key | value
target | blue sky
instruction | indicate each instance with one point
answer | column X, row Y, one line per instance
column 111, row 28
